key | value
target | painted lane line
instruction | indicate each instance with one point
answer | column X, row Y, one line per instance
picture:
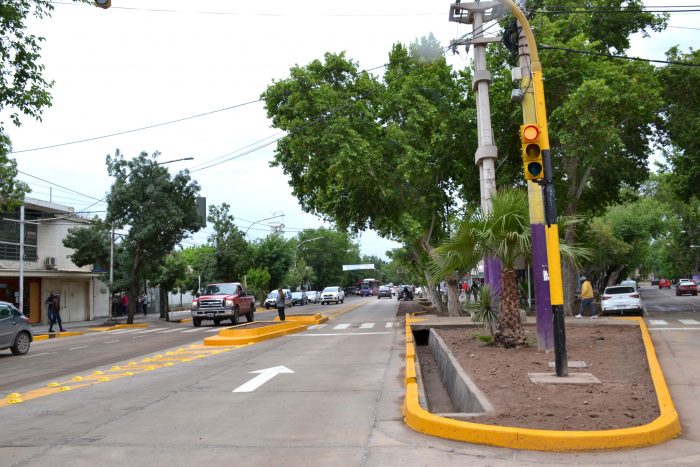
column 343, row 334
column 366, row 325
column 318, row 326
column 193, row 330
column 389, row 324
column 37, row 355
column 674, row 329
column 658, row 322
column 81, row 347
column 137, row 337
column 150, row 330
column 263, row 377
column 124, row 331
column 170, row 330
column 342, row 326
column 214, row 330
column 689, row 321
column 111, row 342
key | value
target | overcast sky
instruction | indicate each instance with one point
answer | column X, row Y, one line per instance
column 145, row 62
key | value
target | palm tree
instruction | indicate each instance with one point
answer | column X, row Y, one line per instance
column 504, row 232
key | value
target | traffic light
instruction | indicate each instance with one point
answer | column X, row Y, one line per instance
column 532, row 152
column 103, row 3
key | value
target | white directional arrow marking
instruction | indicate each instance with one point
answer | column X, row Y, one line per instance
column 265, row 375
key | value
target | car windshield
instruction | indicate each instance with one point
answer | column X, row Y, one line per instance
column 687, row 283
column 619, row 290
column 272, row 295
column 330, row 289
column 220, row 289
column 296, row 294
column 383, row 288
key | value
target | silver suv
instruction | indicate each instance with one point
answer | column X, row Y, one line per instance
column 15, row 331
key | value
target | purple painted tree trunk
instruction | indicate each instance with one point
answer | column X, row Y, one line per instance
column 492, row 276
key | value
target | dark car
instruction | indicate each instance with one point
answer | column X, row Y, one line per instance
column 664, row 284
column 384, row 291
column 687, row 287
column 15, row 331
column 655, row 281
column 299, row 298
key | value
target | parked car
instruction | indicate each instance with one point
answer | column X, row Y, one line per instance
column 687, row 287
column 655, row 281
column 271, row 299
column 15, row 331
column 621, row 299
column 384, row 291
column 630, row 283
column 313, row 296
column 664, row 284
column 299, row 298
column 332, row 294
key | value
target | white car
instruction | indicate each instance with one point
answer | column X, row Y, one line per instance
column 313, row 296
column 621, row 299
column 630, row 282
column 332, row 294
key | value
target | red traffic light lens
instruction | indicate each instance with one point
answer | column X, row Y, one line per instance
column 531, row 133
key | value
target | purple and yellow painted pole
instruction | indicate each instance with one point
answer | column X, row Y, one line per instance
column 551, row 229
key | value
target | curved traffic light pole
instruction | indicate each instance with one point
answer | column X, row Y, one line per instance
column 550, row 208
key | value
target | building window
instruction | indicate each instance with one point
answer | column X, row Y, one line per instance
column 9, row 235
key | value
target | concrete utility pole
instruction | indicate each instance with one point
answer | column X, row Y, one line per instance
column 543, row 307
column 486, row 154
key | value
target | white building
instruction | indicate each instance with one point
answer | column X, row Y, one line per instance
column 47, row 265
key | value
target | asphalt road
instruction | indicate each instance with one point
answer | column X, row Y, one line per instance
column 663, row 302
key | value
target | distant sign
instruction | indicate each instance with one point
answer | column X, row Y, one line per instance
column 357, row 267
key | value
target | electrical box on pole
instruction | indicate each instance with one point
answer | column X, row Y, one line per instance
column 532, row 152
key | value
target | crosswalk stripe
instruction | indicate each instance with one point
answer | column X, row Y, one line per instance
column 170, row 330
column 689, row 321
column 124, row 331
column 318, row 326
column 658, row 322
column 194, row 330
column 389, row 324
column 149, row 330
column 366, row 325
column 342, row 326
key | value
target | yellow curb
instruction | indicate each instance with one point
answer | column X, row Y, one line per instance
column 317, row 318
column 665, row 427
column 128, row 326
column 241, row 334
column 43, row 337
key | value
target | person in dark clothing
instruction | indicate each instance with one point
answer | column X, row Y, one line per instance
column 54, row 302
column 475, row 290
column 280, row 303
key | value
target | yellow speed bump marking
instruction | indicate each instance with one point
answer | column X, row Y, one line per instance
column 184, row 354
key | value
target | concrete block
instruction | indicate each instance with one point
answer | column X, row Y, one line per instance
column 552, row 378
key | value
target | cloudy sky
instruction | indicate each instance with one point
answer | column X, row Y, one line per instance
column 146, row 62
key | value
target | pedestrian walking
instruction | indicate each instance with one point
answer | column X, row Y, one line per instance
column 475, row 290
column 280, row 303
column 54, row 302
column 143, row 304
column 586, row 298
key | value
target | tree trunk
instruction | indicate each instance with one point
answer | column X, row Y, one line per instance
column 510, row 329
column 453, row 305
column 433, row 294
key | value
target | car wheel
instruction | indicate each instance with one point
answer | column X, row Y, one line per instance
column 22, row 343
column 197, row 322
column 250, row 317
column 217, row 321
column 342, row 301
column 236, row 315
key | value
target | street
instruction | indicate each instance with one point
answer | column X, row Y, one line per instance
column 330, row 395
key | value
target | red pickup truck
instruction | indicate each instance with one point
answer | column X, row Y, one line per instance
column 223, row 301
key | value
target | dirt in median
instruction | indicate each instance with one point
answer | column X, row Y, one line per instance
column 614, row 354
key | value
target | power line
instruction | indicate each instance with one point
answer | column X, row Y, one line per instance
column 137, row 129
column 56, row 184
column 622, row 57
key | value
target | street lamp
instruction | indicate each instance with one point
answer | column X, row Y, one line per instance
column 266, row 219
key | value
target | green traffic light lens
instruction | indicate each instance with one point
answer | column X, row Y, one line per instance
column 534, row 168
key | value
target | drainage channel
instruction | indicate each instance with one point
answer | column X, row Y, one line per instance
column 444, row 388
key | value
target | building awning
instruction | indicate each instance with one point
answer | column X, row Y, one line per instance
column 50, row 274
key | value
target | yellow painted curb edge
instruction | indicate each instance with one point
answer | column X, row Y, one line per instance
column 667, row 426
column 57, row 335
column 233, row 336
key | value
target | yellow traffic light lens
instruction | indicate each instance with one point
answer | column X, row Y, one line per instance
column 532, row 151
column 534, row 169
column 531, row 133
